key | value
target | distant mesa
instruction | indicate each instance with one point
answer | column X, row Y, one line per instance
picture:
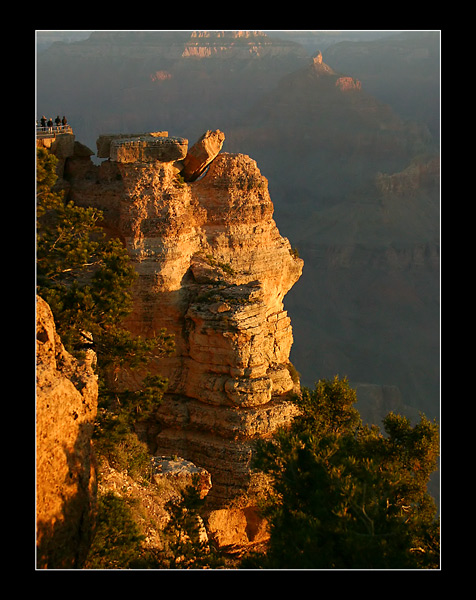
column 227, row 34
column 160, row 76
column 344, row 84
column 320, row 66
column 348, row 84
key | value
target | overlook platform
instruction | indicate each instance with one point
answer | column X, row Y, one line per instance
column 59, row 141
column 52, row 132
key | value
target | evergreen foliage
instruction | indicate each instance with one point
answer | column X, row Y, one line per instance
column 185, row 549
column 86, row 278
column 345, row 495
column 117, row 540
column 119, row 544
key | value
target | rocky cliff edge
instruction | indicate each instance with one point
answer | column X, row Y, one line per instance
column 213, row 270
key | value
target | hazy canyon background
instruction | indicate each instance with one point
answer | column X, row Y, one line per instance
column 349, row 142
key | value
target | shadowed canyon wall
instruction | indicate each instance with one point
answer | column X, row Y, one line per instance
column 344, row 137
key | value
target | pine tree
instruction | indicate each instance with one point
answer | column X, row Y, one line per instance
column 86, row 278
column 346, row 495
column 117, row 540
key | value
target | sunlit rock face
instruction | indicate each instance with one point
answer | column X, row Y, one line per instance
column 213, row 270
column 66, row 407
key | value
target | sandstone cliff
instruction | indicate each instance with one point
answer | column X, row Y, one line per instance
column 66, row 405
column 213, row 269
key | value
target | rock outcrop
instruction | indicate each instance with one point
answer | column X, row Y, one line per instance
column 66, row 406
column 201, row 154
column 319, row 67
column 180, row 474
column 348, row 84
column 146, row 147
column 420, row 174
column 62, row 146
column 213, row 269
column 171, row 476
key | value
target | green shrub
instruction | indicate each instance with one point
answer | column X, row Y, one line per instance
column 295, row 375
column 117, row 540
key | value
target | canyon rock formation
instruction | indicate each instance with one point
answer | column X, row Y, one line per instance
column 213, row 270
column 356, row 188
column 334, row 132
column 184, row 80
column 66, row 407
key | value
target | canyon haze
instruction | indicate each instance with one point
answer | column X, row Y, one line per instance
column 345, row 128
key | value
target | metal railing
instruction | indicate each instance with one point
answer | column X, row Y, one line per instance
column 52, row 131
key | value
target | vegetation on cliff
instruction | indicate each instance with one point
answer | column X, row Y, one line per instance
column 86, row 279
column 119, row 539
column 346, row 495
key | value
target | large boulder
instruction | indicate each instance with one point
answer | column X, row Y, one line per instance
column 201, row 154
column 233, row 529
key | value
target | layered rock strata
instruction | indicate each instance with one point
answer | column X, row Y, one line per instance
column 213, row 269
column 104, row 141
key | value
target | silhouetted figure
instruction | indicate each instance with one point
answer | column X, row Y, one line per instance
column 64, row 121
column 50, row 124
column 43, row 121
column 58, row 121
